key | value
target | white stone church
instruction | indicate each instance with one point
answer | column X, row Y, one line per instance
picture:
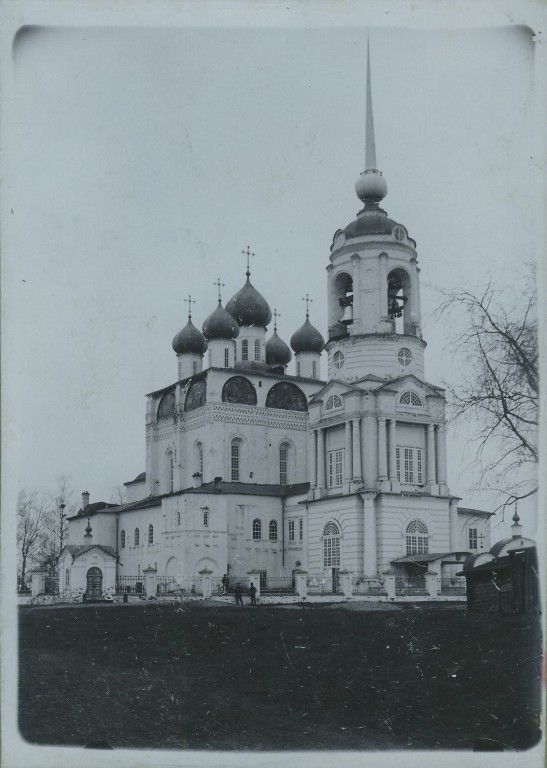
column 250, row 469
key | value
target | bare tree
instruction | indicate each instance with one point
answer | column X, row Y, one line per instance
column 32, row 535
column 118, row 494
column 61, row 507
column 500, row 394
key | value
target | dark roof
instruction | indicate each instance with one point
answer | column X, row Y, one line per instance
column 277, row 352
column 139, row 479
column 474, row 512
column 422, row 558
column 307, row 339
column 220, row 325
column 92, row 508
column 251, row 489
column 370, row 223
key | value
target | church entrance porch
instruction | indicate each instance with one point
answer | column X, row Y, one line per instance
column 94, row 584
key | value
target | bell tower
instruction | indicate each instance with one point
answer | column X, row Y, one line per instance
column 373, row 284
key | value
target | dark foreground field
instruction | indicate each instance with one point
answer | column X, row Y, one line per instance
column 272, row 678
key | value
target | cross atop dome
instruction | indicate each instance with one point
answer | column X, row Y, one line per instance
column 219, row 285
column 307, row 299
column 247, row 252
column 276, row 314
column 190, row 301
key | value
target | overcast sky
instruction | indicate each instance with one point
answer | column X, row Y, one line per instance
column 145, row 160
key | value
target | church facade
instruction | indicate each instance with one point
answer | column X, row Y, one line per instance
column 249, row 468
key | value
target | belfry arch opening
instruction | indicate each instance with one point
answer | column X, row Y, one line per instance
column 342, row 290
column 399, row 301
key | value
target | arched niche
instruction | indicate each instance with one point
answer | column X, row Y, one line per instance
column 342, row 292
column 238, row 389
column 166, row 408
column 286, row 396
column 196, row 396
column 400, row 300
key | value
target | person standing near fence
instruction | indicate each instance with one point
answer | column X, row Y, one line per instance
column 239, row 598
column 252, row 592
column 225, row 583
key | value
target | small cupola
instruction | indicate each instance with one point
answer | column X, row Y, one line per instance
column 190, row 346
column 277, row 352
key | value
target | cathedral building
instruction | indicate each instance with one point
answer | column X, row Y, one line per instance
column 249, row 468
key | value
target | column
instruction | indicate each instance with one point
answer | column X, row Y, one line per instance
column 320, row 458
column 441, row 455
column 382, row 456
column 432, row 583
column 301, row 583
column 345, row 582
column 388, row 577
column 383, row 286
column 393, row 450
column 431, row 476
column 206, row 582
column 456, row 542
column 312, row 458
column 150, row 581
column 38, row 581
column 357, row 471
column 369, row 450
column 348, row 476
column 370, row 564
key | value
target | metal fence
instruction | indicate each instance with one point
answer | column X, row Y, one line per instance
column 130, row 585
column 278, row 584
column 410, row 586
column 361, row 586
column 455, row 585
column 180, row 585
column 319, row 585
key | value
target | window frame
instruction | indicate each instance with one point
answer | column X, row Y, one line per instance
column 235, row 461
column 272, row 530
column 416, row 538
column 257, row 529
column 331, row 546
column 283, row 464
column 122, row 539
column 150, row 534
column 244, row 350
column 410, row 464
column 136, row 538
column 291, row 530
column 258, row 350
column 335, row 468
column 473, row 538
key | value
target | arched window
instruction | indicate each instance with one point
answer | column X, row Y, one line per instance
column 399, row 300
column 199, row 458
column 169, row 486
column 244, row 349
column 257, row 349
column 166, row 408
column 257, row 529
column 314, row 369
column 284, row 463
column 333, row 402
column 331, row 546
column 238, row 389
column 178, row 516
column 226, row 357
column 273, row 530
column 417, row 538
column 67, row 577
column 206, row 518
column 343, row 298
column 122, row 539
column 298, row 368
column 287, row 396
column 411, row 398
column 136, row 537
column 235, row 461
column 150, row 534
column 197, row 395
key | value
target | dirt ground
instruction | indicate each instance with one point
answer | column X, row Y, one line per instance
column 322, row 677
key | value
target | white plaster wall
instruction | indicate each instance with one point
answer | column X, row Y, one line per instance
column 376, row 354
column 103, row 529
column 135, row 492
column 347, row 512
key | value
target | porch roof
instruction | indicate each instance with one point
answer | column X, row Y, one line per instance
column 429, row 558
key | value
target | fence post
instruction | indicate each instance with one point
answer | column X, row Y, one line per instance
column 206, row 587
column 38, row 581
column 301, row 583
column 345, row 582
column 150, row 581
column 431, row 583
column 255, row 579
column 389, row 584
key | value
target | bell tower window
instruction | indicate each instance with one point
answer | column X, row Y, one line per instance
column 343, row 304
column 244, row 349
column 399, row 301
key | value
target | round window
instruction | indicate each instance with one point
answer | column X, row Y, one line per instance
column 404, row 356
column 338, row 360
column 398, row 233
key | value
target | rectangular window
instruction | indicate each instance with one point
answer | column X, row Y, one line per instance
column 473, row 538
column 331, row 552
column 301, row 529
column 335, row 466
column 171, row 475
column 195, row 366
column 291, row 530
column 226, row 358
column 235, row 462
column 298, row 368
column 314, row 369
column 244, row 349
column 412, row 471
column 257, row 349
column 283, row 460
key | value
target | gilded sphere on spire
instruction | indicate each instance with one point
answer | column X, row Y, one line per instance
column 371, row 187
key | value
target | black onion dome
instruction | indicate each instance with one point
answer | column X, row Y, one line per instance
column 277, row 352
column 249, row 307
column 189, row 340
column 307, row 339
column 220, row 325
column 372, row 222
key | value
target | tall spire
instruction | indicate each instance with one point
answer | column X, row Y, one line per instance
column 370, row 145
column 371, row 186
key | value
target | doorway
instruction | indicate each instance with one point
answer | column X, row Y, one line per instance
column 94, row 589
